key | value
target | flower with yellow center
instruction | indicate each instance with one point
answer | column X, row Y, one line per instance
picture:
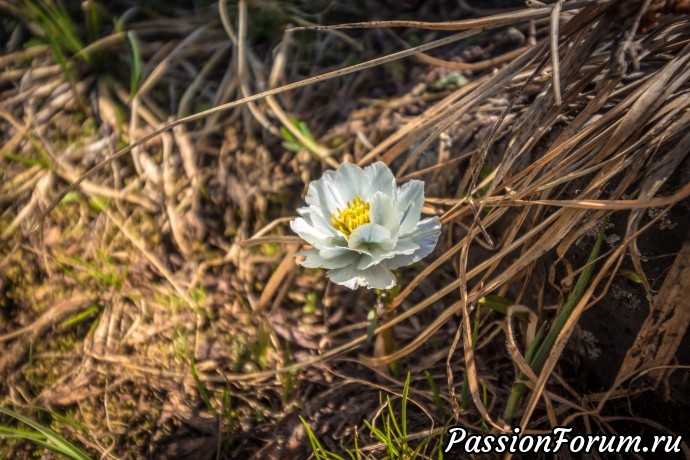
column 355, row 214
column 362, row 225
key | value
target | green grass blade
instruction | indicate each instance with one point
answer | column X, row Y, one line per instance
column 381, row 436
column 80, row 317
column 392, row 451
column 313, row 440
column 496, row 303
column 202, row 390
column 24, row 160
column 403, row 415
column 406, row 392
column 9, row 432
column 136, row 63
column 57, row 443
column 438, row 402
column 540, row 356
column 316, row 446
column 534, row 345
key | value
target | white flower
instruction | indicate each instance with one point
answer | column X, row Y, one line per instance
column 362, row 225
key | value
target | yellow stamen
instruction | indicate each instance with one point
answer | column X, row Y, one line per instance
column 355, row 214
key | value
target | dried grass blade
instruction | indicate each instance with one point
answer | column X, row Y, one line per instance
column 665, row 325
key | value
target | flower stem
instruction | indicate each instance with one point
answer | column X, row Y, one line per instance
column 385, row 342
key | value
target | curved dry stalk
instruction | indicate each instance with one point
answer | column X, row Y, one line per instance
column 500, row 19
column 242, row 57
column 320, row 151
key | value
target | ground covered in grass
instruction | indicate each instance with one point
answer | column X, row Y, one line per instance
column 151, row 305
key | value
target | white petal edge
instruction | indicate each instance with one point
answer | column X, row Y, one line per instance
column 376, row 277
column 313, row 216
column 351, row 180
column 384, row 213
column 375, row 255
column 370, row 234
column 409, row 203
column 310, row 234
column 425, row 235
column 314, row 260
column 325, row 195
column 380, row 179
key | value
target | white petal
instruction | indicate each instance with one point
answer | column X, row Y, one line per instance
column 335, row 188
column 378, row 277
column 351, row 180
column 373, row 257
column 315, row 260
column 312, row 258
column 425, row 235
column 310, row 234
column 364, row 236
column 381, row 179
column 410, row 201
column 375, row 254
column 347, row 276
column 312, row 215
column 337, row 251
column 384, row 213
column 405, row 246
column 325, row 195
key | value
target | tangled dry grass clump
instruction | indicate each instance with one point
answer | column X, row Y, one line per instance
column 150, row 304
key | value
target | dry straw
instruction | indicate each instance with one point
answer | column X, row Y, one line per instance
column 586, row 119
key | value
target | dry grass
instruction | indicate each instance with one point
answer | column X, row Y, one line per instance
column 149, row 289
